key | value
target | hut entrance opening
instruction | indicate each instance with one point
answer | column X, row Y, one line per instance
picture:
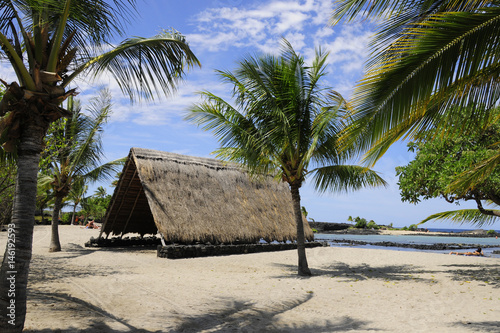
column 129, row 211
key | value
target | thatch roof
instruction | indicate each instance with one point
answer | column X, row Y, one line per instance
column 192, row 199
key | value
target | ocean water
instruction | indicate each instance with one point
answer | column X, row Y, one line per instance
column 455, row 230
column 415, row 239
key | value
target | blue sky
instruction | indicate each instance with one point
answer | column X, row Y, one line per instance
column 221, row 32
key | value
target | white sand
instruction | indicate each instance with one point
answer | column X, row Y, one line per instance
column 360, row 290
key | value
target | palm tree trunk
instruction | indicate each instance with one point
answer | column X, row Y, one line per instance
column 73, row 215
column 55, row 245
column 303, row 268
column 15, row 265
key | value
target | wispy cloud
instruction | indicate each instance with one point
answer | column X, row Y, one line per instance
column 260, row 26
column 226, row 27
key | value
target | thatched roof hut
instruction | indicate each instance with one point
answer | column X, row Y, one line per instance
column 191, row 199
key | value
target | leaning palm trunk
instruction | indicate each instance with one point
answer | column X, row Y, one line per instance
column 73, row 214
column 303, row 267
column 16, row 260
column 55, row 245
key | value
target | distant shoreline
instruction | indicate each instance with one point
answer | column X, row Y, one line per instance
column 345, row 228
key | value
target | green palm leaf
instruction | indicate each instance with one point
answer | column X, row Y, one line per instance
column 144, row 65
column 469, row 216
column 345, row 178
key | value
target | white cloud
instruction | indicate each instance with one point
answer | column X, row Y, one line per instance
column 291, row 21
column 225, row 27
column 261, row 26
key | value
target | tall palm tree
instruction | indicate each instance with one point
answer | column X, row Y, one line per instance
column 49, row 43
column 430, row 61
column 74, row 153
column 284, row 123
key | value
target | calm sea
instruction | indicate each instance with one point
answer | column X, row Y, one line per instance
column 454, row 230
column 415, row 239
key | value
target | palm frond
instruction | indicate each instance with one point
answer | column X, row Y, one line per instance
column 449, row 48
column 345, row 178
column 428, row 57
column 88, row 150
column 105, row 171
column 283, row 120
column 142, row 66
column 479, row 174
column 464, row 216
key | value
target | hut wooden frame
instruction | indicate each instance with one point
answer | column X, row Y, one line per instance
column 191, row 200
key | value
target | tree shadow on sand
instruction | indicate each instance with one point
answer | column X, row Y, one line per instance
column 96, row 318
column 485, row 326
column 240, row 316
column 233, row 316
column 43, row 269
column 489, row 275
column 363, row 272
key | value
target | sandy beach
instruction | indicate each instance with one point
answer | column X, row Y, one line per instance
column 358, row 290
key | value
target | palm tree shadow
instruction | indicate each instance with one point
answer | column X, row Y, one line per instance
column 489, row 275
column 240, row 316
column 43, row 269
column 363, row 272
column 97, row 322
column 71, row 251
column 485, row 326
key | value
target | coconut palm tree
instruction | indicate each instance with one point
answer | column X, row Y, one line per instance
column 76, row 195
column 48, row 44
column 284, row 123
column 430, row 61
column 74, row 153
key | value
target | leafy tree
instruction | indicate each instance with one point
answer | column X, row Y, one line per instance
column 95, row 206
column 360, row 222
column 73, row 154
column 430, row 60
column 441, row 161
column 413, row 227
column 49, row 43
column 284, row 123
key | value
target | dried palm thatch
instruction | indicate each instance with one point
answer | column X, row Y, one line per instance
column 191, row 199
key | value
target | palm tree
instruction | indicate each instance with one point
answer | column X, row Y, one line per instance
column 284, row 123
column 76, row 195
column 430, row 61
column 49, row 43
column 74, row 152
column 100, row 192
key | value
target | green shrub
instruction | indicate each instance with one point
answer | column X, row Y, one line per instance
column 491, row 232
column 314, row 230
column 360, row 222
column 372, row 225
column 65, row 218
column 413, row 227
